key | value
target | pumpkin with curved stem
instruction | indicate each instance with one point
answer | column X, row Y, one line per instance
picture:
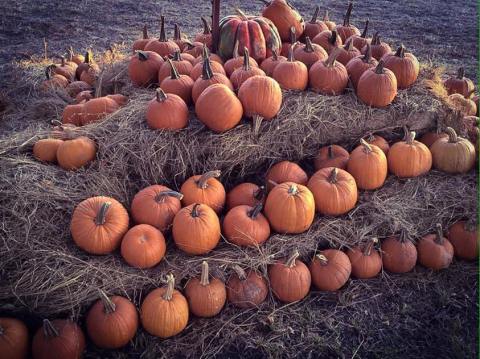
column 65, row 69
column 87, row 64
column 329, row 77
column 409, row 158
column 464, row 237
column 358, row 65
column 141, row 43
column 379, row 48
column 97, row 109
column 460, row 84
column 193, row 49
column 184, row 67
column 206, row 297
column 332, row 156
column 215, row 66
column 13, row 338
column 377, row 87
column 143, row 67
column 204, row 189
column 204, row 37
column 76, row 153
column 246, row 226
column 162, row 45
column 246, row 290
column 285, row 171
column 143, row 246
column 434, row 250
column 368, row 165
column 429, row 138
column 290, row 208
column 112, row 321
column 365, row 260
column 196, row 229
column 269, row 64
column 328, row 40
column 314, row 26
column 164, row 312
column 180, row 85
column 330, row 270
column 464, row 105
column 291, row 74
column 330, row 24
column 347, row 52
column 399, row 254
column 347, row 30
column 404, row 65
column 75, row 87
column 378, row 141
column 167, row 111
column 361, row 40
column 46, row 150
column 58, row 339
column 218, row 108
column 207, row 79
column 284, row 16
column 290, row 279
column 310, row 53
column 237, row 61
column 246, row 193
column 334, row 190
column 53, row 80
column 180, row 39
column 453, row 154
column 240, row 75
column 98, row 224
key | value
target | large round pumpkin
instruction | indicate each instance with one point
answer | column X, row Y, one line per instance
column 377, row 87
column 167, row 111
column 409, row 158
column 76, row 153
column 453, row 154
column 204, row 189
column 358, row 65
column 314, row 26
column 144, row 66
column 243, row 73
column 366, row 262
column 459, row 84
column 404, row 65
column 330, row 270
column 464, row 237
column 58, row 339
column 310, row 53
column 162, row 45
column 284, row 16
column 245, row 193
column 45, row 150
column 328, row 77
column 329, row 40
column 246, row 290
column 434, row 250
column 143, row 246
column 13, row 339
column 399, row 254
column 285, row 171
column 180, row 85
column 368, row 165
column 332, row 156
column 246, row 226
column 291, row 74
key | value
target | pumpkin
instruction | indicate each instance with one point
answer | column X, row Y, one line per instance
column 246, row 226
column 241, row 74
column 368, row 165
column 215, row 66
column 180, row 85
column 330, row 270
column 261, row 98
column 206, row 297
column 329, row 77
column 118, row 98
column 112, row 321
column 245, row 194
column 53, row 80
column 143, row 246
column 360, row 41
column 328, row 40
column 399, row 254
column 87, row 64
column 141, row 43
column 75, row 87
column 98, row 224
column 460, row 84
column 290, row 279
column 204, row 189
column 331, row 156
column 378, row 141
column 285, row 171
column 334, row 190
column 429, row 138
column 193, row 49
column 365, row 260
column 218, row 108
column 207, row 79
column 284, row 16
column 464, row 237
column 181, row 40
column 434, row 250
column 89, row 76
column 65, row 69
column 205, row 37
column 162, row 45
column 167, row 111
column 58, row 339
column 464, row 105
column 290, row 208
column 164, row 312
column 246, row 290
column 404, row 65
column 377, row 87
column 453, row 154
column 379, row 48
column 330, row 24
column 409, row 158
column 76, row 153
column 314, row 26
column 76, row 58
column 269, row 64
column 97, row 109
column 82, row 97
column 310, row 53
column 237, row 61
column 46, row 150
column 13, row 338
column 196, row 229
column 291, row 43
column 347, row 52
column 256, row 33
column 346, row 30
column 72, row 114
column 144, row 66
column 358, row 65
column 291, row 74
column 207, row 55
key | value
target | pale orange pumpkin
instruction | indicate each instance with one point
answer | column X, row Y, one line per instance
column 310, row 53
column 237, row 61
column 245, row 194
column 409, row 158
column 434, row 250
column 378, row 141
column 377, row 87
column 314, row 26
column 180, row 85
column 379, row 48
column 162, row 45
column 45, row 150
column 243, row 73
column 460, row 84
column 291, row 74
column 141, row 43
column 347, row 52
column 329, row 77
column 399, row 254
column 143, row 67
column 368, row 165
column 404, row 65
column 346, row 30
column 184, row 67
column 360, row 41
column 207, row 79
column 76, row 153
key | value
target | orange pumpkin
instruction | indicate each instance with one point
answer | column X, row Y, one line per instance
column 162, row 45
column 246, row 290
column 180, row 85
column 76, row 153
column 378, row 141
column 268, row 65
column 285, row 171
column 46, row 150
column 74, row 88
column 13, row 339
column 346, row 30
column 181, row 40
column 434, row 250
column 284, row 16
column 466, row 106
column 329, row 40
column 86, row 65
column 237, row 61
column 429, row 138
column 184, row 67
column 53, row 80
column 143, row 67
column 97, row 109
column 141, row 43
column 330, row 270
column 358, row 65
column 246, row 226
column 329, row 77
column 409, row 158
column 207, row 79
column 247, row 193
column 291, row 74
column 58, row 339
column 460, row 84
column 81, row 98
column 241, row 74
column 347, row 52
column 360, row 41
column 314, row 26
column 215, row 64
column 365, row 260
column 330, row 24
column 205, row 37
column 464, row 237
column 379, row 48
column 377, row 87
column 193, row 48
column 332, row 156
column 399, row 254
column 404, row 65
column 204, row 189
column 368, row 165
column 310, row 53
column 98, row 224
column 76, row 58
column 143, row 246
column 167, row 111
column 66, row 69
column 72, row 114
column 292, row 43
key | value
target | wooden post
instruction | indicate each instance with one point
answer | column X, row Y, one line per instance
column 215, row 23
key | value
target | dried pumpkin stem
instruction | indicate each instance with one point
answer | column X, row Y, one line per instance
column 170, row 287
column 293, row 35
column 206, row 27
column 291, row 57
column 49, row 330
column 177, row 56
column 259, row 194
column 49, row 71
column 87, row 57
column 330, row 152
column 194, row 212
column 275, row 54
column 439, row 239
column 367, row 251
column 202, row 182
column 241, row 14
column 366, row 146
column 403, row 236
column 365, row 29
column 102, row 214
column 174, row 75
column 142, row 55
column 410, row 137
column 293, row 190
column 346, row 20
column 240, row 272
column 160, row 197
column 255, row 211
column 108, row 305
column 400, row 51
column 207, row 72
column 163, row 37
column 177, row 35
column 461, row 73
column 333, row 38
column 368, row 54
column 145, row 32
column 204, row 276
column 349, row 45
column 291, row 260
column 379, row 69
column 322, row 259
column 452, row 135
column 315, row 15
column 330, row 61
column 325, row 17
column 308, row 45
column 246, row 59
column 257, row 121
column 205, row 53
column 332, row 178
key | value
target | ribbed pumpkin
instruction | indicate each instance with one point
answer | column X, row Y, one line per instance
column 246, row 226
column 314, row 26
column 328, row 40
column 465, row 106
column 330, row 270
column 143, row 67
column 358, row 65
column 13, row 339
column 399, row 254
column 347, row 52
column 76, row 153
column 310, row 53
column 196, row 229
column 241, row 74
column 379, row 48
column 378, row 141
column 73, row 57
column 237, row 61
column 346, row 30
column 184, row 67
column 218, row 108
column 97, row 109
column 404, row 65
column 290, row 208
column 365, row 260
column 45, row 150
column 377, row 87
column 291, row 74
column 207, row 79
column 464, row 237
column 141, row 43
column 328, row 77
column 368, row 165
column 180, row 85
column 167, row 111
column 334, row 190
column 53, row 80
column 459, row 84
column 268, row 65
column 98, row 224
column 246, row 193
column 58, row 339
column 290, row 279
column 246, row 290
column 332, row 156
column 284, row 16
column 409, row 158
column 164, row 312
column 181, row 40
column 205, row 37
column 360, row 41
column 112, row 321
column 206, row 297
column 434, row 250
column 162, row 45
column 204, row 189
column 75, row 87
column 143, row 246
column 453, row 154
column 285, row 171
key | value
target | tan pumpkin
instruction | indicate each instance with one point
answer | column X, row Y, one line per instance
column 464, row 237
column 45, row 150
column 285, row 171
column 332, row 156
column 404, row 65
column 143, row 246
column 246, row 290
column 368, row 165
column 204, row 189
column 207, row 79
column 246, row 226
column 460, row 84
column 330, row 270
column 247, row 193
column 76, row 153
column 162, row 45
column 358, row 65
column 329, row 77
column 268, row 65
column 180, row 85
column 365, row 260
column 310, row 53
column 347, row 30
column 453, row 154
column 167, row 111
column 434, row 250
column 329, row 40
column 399, row 254
column 409, row 158
column 377, row 87
column 241, row 74
column 464, row 105
column 291, row 74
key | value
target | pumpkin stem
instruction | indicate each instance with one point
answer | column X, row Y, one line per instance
column 206, row 27
column 403, row 236
column 322, row 259
column 333, row 38
column 259, row 194
column 308, row 45
column 87, row 57
column 205, row 54
column 325, row 17
column 365, row 30
column 240, row 272
column 367, row 251
column 291, row 260
column 275, row 55
column 170, row 287
column 346, row 20
column 349, row 45
column 460, row 73
column 379, row 69
column 160, row 197
column 202, row 182
column 257, row 121
column 293, row 190
column 332, row 178
column 315, row 15
column 163, row 37
column 246, row 59
column 102, row 214
column 273, row 183
column 471, row 225
column 368, row 54
column 330, row 61
column 410, row 137
column 291, row 57
column 255, row 211
column 204, row 276
column 177, row 35
column 160, row 95
column 142, row 55
column 194, row 212
column 439, row 234
column 400, row 51
column 49, row 71
column 174, row 75
column 452, row 135
column 2, row 331
column 366, row 146
column 330, row 152
column 176, row 56
column 62, row 59
column 376, row 39
column 207, row 72
column 49, row 330
column 241, row 14
column 235, row 50
column 144, row 32
column 293, row 35
column 108, row 305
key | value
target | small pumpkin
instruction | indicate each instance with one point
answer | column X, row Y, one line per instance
column 329, row 77
column 140, row 44
column 237, row 61
column 53, row 80
column 167, row 111
column 365, row 260
column 429, row 138
column 379, row 48
column 360, row 41
column 215, row 66
column 87, row 64
column 58, row 339
column 290, row 279
column 399, row 254
column 207, row 79
column 434, row 250
column 246, row 290
column 97, row 109
column 404, row 65
column 464, row 105
column 89, row 76
column 368, row 165
column 180, row 85
column 205, row 37
column 464, row 237
column 76, row 58
column 453, row 154
column 347, row 52
column 332, row 156
column 181, row 40
column 66, row 69
column 358, row 65
column 327, row 39
column 334, row 190
column 162, row 45
column 460, row 84
column 377, row 87
column 144, row 66
column 291, row 43
column 269, row 64
column 347, row 30
column 330, row 270
column 164, row 312
column 310, row 53
column 285, row 171
column 284, row 16
column 194, row 49
column 196, row 229
column 246, row 226
column 98, row 224
column 291, row 74
column 143, row 246
column 246, row 193
column 13, row 338
column 409, row 158
column 330, row 24
column 204, row 189
column 82, row 97
column 241, row 74
column 76, row 153
column 314, row 26
column 45, row 150
column 75, row 87
column 206, row 297
column 378, row 141
column 112, row 321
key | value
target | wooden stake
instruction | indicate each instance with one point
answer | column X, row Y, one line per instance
column 215, row 25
